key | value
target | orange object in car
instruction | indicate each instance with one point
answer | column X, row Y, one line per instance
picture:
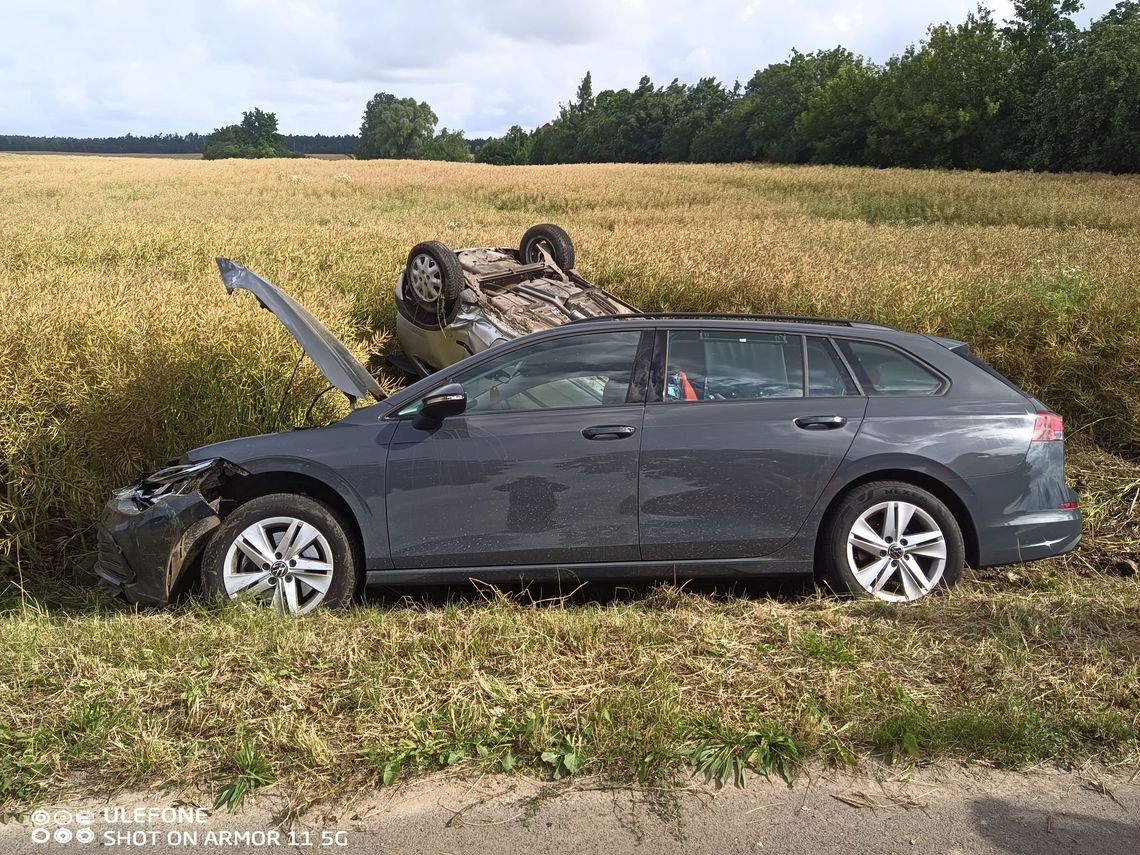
column 688, row 393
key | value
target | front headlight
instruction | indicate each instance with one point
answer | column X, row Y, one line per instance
column 169, row 480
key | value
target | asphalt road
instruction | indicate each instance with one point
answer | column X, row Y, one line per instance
column 942, row 810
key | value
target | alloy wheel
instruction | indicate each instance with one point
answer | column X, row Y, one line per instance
column 896, row 551
column 283, row 562
column 426, row 279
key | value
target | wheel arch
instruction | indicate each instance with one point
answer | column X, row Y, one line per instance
column 938, row 486
column 263, row 483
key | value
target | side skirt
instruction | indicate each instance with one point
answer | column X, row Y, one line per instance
column 725, row 568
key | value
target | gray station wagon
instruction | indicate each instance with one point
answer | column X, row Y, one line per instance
column 635, row 445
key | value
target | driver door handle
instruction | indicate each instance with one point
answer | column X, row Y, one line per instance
column 820, row 422
column 608, row 432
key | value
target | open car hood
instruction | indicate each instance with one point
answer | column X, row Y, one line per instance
column 328, row 352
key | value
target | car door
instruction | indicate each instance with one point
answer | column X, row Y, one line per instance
column 739, row 441
column 540, row 469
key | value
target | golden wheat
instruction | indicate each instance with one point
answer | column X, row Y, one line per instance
column 119, row 348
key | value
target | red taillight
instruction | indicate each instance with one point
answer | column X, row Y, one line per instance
column 1068, row 506
column 1049, row 427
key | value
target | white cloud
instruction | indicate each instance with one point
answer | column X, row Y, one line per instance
column 106, row 67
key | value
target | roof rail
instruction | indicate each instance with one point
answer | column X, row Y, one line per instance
column 719, row 316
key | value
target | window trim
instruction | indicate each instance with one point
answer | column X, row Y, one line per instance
column 947, row 383
column 847, row 365
column 835, row 349
column 805, row 366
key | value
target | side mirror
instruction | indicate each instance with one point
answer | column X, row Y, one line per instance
column 444, row 402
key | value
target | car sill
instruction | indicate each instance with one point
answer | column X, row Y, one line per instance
column 728, row 568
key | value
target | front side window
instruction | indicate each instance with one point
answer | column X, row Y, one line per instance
column 725, row 365
column 591, row 370
column 883, row 370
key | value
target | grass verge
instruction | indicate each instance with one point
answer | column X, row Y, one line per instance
column 1015, row 667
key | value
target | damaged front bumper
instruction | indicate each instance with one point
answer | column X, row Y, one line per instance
column 153, row 532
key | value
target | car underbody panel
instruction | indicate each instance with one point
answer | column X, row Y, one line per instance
column 525, row 298
column 503, row 298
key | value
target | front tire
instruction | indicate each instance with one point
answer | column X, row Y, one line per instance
column 891, row 541
column 434, row 277
column 285, row 551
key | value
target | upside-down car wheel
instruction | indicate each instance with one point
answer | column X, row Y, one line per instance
column 551, row 238
column 434, row 278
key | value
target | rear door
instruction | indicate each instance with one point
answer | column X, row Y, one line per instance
column 739, row 440
column 541, row 469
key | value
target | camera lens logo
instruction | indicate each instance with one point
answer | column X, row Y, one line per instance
column 42, row 833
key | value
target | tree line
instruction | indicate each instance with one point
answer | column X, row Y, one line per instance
column 1035, row 92
column 190, row 143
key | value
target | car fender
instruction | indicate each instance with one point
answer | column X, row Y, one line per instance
column 369, row 518
column 860, row 469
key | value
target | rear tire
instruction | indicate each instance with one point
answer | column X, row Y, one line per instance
column 864, row 553
column 282, row 550
column 551, row 238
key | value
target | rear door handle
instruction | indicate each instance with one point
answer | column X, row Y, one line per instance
column 820, row 422
column 608, row 432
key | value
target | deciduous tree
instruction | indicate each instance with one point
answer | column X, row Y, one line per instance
column 394, row 127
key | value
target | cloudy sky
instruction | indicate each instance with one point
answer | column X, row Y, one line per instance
column 108, row 67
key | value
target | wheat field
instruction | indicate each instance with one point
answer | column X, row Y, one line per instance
column 120, row 349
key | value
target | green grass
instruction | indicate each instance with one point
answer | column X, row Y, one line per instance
column 252, row 769
column 1037, row 664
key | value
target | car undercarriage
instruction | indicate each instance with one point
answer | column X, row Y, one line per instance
column 451, row 304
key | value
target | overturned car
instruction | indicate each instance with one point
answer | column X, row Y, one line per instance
column 452, row 304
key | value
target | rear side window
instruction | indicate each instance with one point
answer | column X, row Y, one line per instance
column 827, row 377
column 724, row 365
column 975, row 360
column 885, row 371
